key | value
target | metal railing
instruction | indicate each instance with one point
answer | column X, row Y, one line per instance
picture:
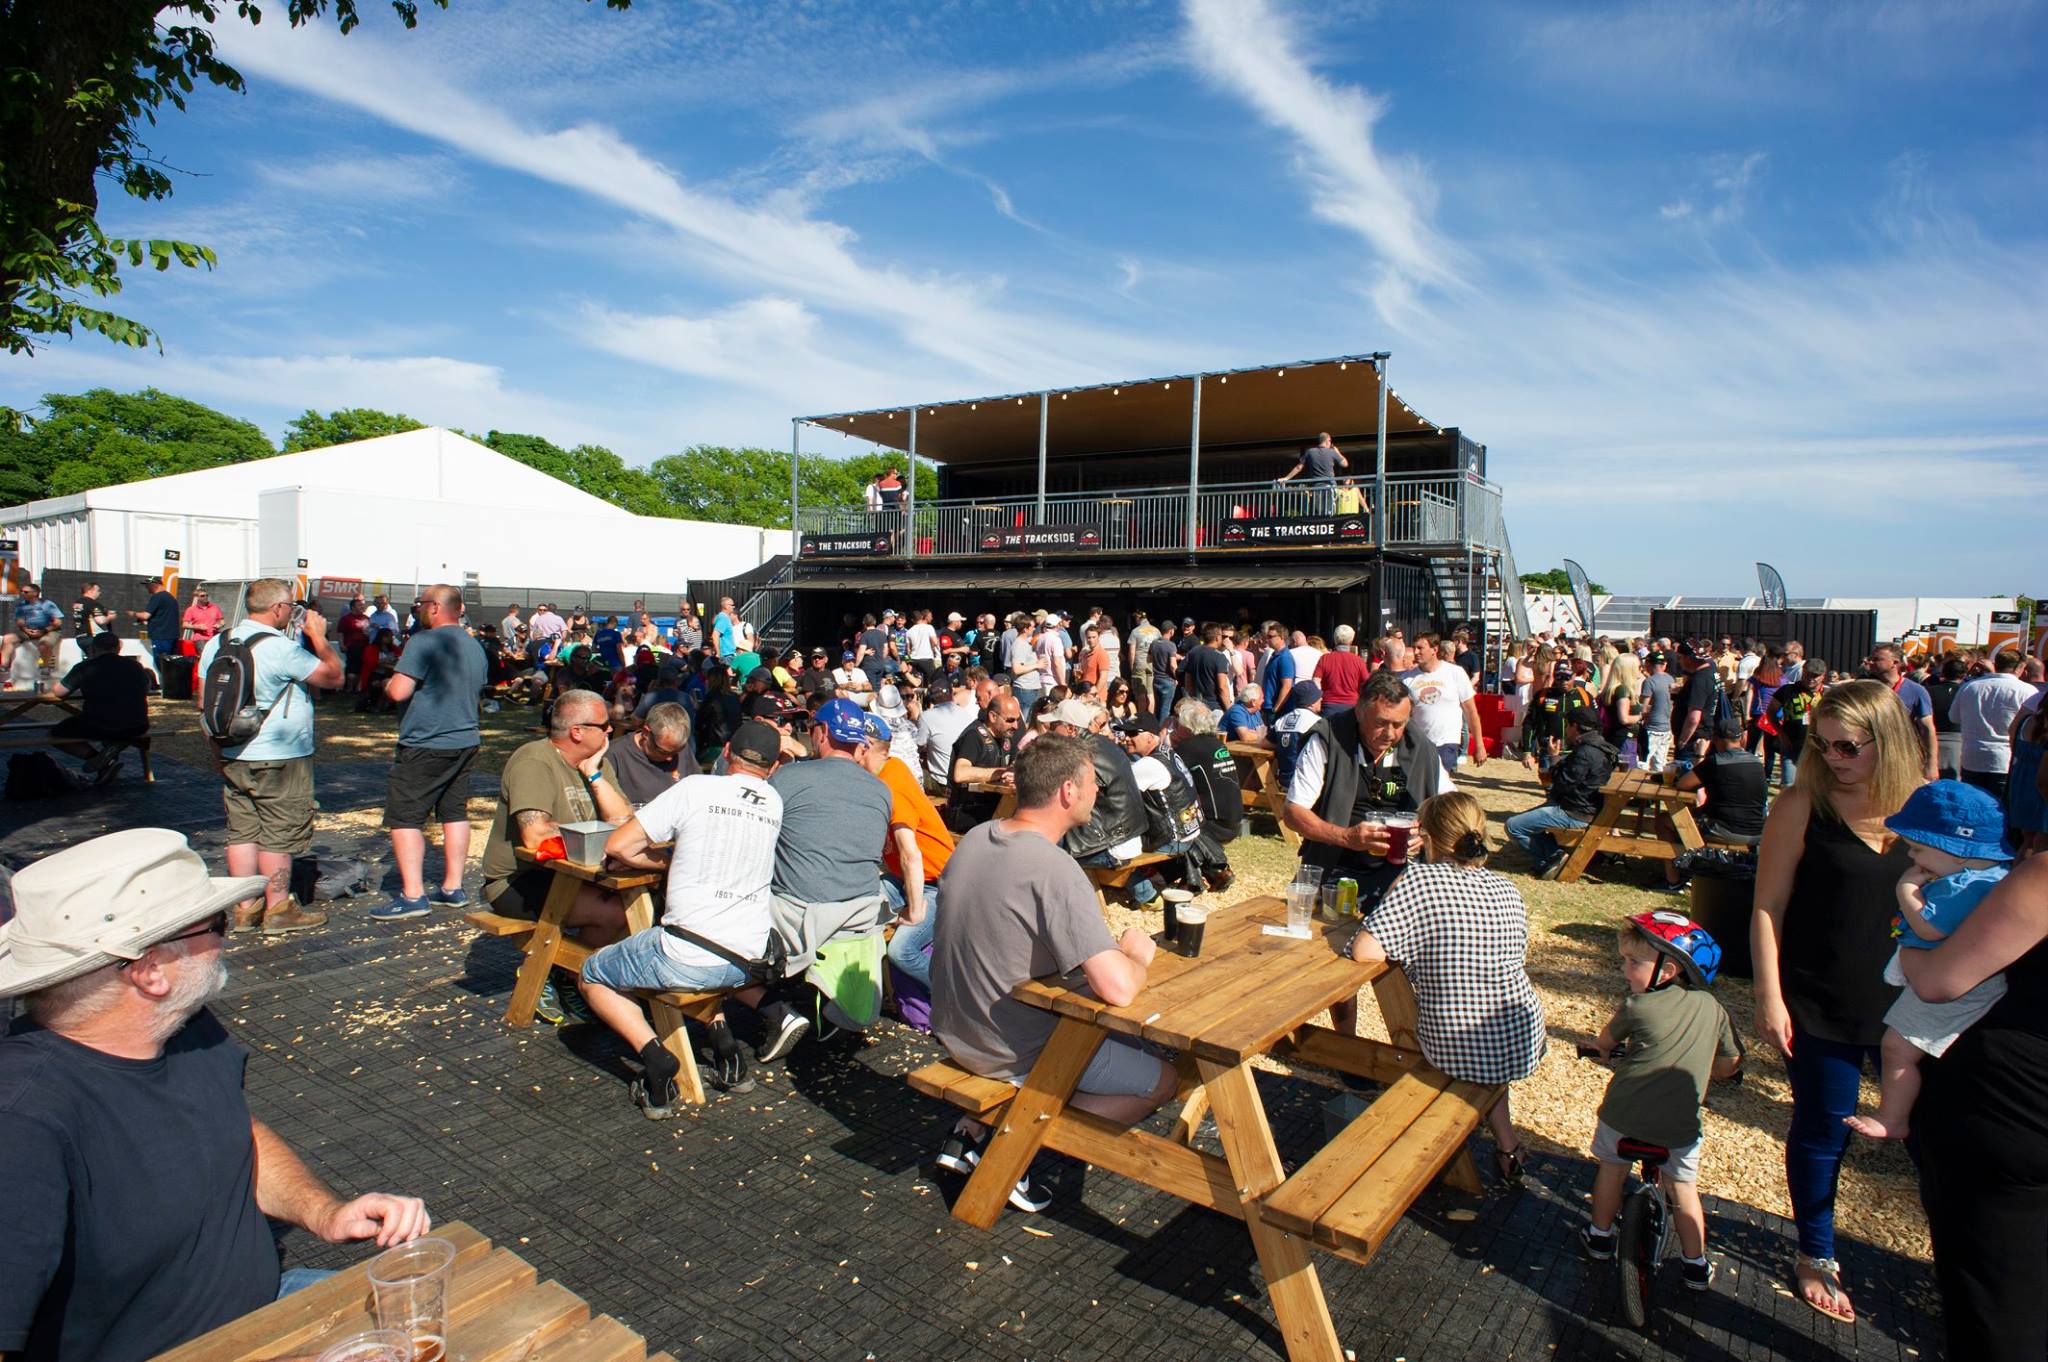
column 1438, row 511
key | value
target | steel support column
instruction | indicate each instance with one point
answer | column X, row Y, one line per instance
column 1194, row 459
column 1379, row 474
column 795, row 446
column 1044, row 404
column 910, row 492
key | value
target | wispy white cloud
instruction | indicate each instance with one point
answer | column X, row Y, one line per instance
column 1725, row 185
column 364, row 179
column 1250, row 49
column 770, row 346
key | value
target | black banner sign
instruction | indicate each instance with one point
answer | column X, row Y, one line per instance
column 1349, row 528
column 2011, row 617
column 845, row 545
column 1036, row 538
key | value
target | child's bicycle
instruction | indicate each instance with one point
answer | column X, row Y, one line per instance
column 1644, row 1231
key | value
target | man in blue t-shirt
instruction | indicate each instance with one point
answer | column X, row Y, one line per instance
column 267, row 782
column 1244, row 721
column 1277, row 675
column 35, row 621
column 439, row 676
column 1888, row 664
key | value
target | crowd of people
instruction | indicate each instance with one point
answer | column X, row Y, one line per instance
column 804, row 802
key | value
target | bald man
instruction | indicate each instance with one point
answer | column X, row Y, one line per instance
column 440, row 673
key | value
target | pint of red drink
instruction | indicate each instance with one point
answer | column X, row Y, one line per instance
column 1398, row 829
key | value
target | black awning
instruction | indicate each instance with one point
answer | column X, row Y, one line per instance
column 1107, row 577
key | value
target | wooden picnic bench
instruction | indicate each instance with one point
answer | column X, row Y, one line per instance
column 1638, row 796
column 1248, row 995
column 1109, row 879
column 547, row 948
column 1258, row 781
column 498, row 1311
column 16, row 704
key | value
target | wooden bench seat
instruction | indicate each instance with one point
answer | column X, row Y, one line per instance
column 1109, row 879
column 1652, row 848
column 1348, row 1197
column 973, row 1094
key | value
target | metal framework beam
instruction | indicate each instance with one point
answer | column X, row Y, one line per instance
column 1194, row 458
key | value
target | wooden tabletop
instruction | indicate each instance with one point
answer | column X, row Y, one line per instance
column 593, row 874
column 1249, row 749
column 1246, row 991
column 498, row 1311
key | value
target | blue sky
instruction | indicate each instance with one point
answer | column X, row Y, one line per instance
column 1714, row 282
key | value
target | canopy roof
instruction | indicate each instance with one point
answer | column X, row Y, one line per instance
column 1275, row 402
column 1302, row 577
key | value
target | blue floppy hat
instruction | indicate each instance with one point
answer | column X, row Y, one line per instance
column 1959, row 819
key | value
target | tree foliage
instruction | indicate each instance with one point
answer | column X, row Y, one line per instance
column 311, row 430
column 80, row 81
column 1557, row 580
column 751, row 486
column 100, row 438
column 591, row 468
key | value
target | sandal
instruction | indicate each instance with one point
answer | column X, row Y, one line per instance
column 1509, row 1162
column 1828, row 1272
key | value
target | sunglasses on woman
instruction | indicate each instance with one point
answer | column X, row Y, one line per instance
column 1844, row 748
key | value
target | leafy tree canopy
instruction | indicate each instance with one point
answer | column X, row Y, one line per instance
column 1557, row 580
column 79, row 82
column 751, row 486
column 100, row 438
column 311, row 430
column 592, row 468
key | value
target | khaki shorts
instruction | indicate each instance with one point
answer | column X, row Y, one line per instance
column 270, row 803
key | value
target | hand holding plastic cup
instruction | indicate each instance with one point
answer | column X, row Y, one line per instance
column 410, row 1283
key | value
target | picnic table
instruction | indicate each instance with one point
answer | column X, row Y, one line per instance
column 1638, row 796
column 547, row 948
column 1007, row 805
column 1257, row 778
column 15, row 704
column 498, row 1311
column 1250, row 994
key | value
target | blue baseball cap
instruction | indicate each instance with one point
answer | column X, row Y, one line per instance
column 1959, row 819
column 844, row 720
column 878, row 729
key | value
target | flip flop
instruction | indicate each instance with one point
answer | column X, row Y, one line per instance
column 1829, row 1273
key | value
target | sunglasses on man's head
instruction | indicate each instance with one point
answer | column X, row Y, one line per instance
column 1844, row 748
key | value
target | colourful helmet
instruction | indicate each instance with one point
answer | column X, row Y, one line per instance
column 1678, row 936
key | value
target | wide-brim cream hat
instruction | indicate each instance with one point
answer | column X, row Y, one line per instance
column 106, row 900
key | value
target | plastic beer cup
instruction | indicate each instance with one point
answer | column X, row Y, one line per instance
column 1400, row 828
column 1194, row 919
column 410, row 1283
column 378, row 1345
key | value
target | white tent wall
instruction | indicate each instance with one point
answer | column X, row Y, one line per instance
column 393, row 539
column 1899, row 615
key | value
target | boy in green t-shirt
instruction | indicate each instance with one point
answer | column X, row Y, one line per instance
column 1678, row 1037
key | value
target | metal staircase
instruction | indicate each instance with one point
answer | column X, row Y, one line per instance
column 1484, row 588
column 771, row 608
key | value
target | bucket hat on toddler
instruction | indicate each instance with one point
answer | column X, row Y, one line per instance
column 1959, row 819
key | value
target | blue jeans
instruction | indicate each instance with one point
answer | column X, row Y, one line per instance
column 1448, row 753
column 1531, row 829
column 907, row 947
column 1824, row 1076
column 299, row 1278
column 1143, row 891
column 1027, row 696
column 642, row 961
column 1162, row 696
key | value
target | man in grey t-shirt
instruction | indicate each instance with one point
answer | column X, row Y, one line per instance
column 835, row 816
column 439, row 676
column 1657, row 710
column 1027, row 910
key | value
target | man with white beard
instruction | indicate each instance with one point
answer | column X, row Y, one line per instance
column 132, row 1212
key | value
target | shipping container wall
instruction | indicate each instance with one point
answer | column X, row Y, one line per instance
column 1841, row 638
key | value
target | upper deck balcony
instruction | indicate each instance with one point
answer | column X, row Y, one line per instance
column 1427, row 514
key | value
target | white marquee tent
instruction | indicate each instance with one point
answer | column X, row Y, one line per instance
column 427, row 505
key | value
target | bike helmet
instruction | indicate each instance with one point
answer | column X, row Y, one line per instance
column 1678, row 936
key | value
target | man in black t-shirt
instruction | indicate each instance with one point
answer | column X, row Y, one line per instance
column 1731, row 791
column 132, row 1212
column 1699, row 710
column 113, row 696
column 1163, row 656
column 1205, row 671
column 981, row 754
column 1217, row 785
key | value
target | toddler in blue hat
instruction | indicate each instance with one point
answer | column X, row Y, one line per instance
column 1956, row 834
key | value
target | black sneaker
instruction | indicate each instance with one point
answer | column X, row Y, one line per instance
column 961, row 1151
column 1698, row 1276
column 657, row 1106
column 786, row 1026
column 1029, row 1196
column 1599, row 1247
column 1550, row 868
column 1668, row 888
column 575, row 1012
column 727, row 1062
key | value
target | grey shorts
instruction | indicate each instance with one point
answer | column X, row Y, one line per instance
column 1932, row 1027
column 1121, row 1068
column 1682, row 1166
column 270, row 804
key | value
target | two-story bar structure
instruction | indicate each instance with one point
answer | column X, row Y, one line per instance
column 1162, row 494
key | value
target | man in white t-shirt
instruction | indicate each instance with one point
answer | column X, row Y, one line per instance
column 851, row 683
column 949, row 714
column 724, row 829
column 1446, row 712
column 1305, row 655
column 924, row 644
column 1983, row 711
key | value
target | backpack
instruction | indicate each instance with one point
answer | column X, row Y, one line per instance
column 36, row 775
column 228, row 712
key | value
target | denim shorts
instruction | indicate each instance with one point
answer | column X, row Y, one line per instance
column 642, row 961
column 1121, row 1068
